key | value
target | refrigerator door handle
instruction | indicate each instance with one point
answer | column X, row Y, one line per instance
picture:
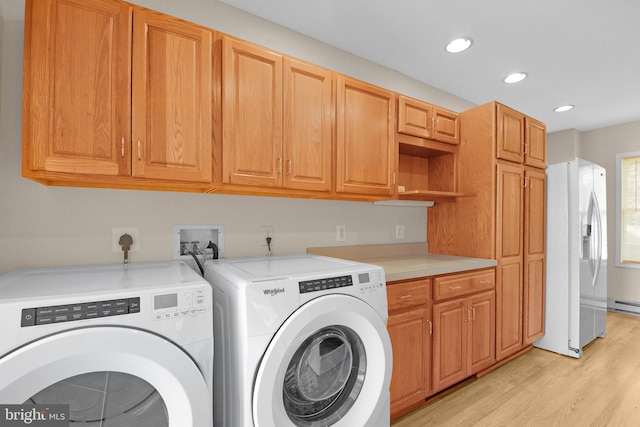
column 599, row 237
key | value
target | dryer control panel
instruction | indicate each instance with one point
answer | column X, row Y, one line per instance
column 79, row 311
column 181, row 303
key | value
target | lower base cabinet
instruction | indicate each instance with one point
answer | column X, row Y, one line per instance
column 442, row 331
column 463, row 338
column 410, row 329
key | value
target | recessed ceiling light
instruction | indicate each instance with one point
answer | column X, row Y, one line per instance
column 563, row 108
column 459, row 45
column 515, row 77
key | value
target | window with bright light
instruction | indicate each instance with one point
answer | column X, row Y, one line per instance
column 628, row 206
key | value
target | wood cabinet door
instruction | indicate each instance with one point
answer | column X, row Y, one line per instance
column 172, row 98
column 252, row 115
column 76, row 92
column 366, row 150
column 510, row 137
column 535, row 143
column 509, row 239
column 308, row 126
column 450, row 342
column 446, row 126
column 534, row 255
column 414, row 117
column 482, row 330
column 410, row 334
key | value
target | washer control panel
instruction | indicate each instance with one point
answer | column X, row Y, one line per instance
column 79, row 311
column 181, row 303
column 324, row 283
column 369, row 281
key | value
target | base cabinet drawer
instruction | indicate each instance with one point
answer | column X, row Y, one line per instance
column 456, row 285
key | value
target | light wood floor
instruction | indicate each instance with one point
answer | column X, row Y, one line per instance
column 542, row 388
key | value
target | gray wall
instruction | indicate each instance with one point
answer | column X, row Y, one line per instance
column 601, row 146
column 43, row 226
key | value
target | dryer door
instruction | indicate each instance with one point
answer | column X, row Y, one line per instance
column 328, row 364
column 109, row 376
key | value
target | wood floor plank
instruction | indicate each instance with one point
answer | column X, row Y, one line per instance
column 542, row 388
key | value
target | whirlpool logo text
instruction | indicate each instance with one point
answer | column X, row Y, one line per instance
column 273, row 291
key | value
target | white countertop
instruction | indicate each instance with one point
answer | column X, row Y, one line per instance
column 405, row 261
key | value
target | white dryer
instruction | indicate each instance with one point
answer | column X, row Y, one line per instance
column 121, row 345
column 300, row 341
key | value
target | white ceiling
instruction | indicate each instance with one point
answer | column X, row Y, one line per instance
column 581, row 52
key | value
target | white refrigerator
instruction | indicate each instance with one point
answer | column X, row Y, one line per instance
column 576, row 278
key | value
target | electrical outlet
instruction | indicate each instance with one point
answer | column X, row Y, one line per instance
column 341, row 233
column 116, row 233
column 400, row 231
column 268, row 231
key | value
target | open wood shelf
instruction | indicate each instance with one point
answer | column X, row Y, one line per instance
column 430, row 196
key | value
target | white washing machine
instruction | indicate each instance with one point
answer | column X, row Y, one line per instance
column 300, row 341
column 121, row 345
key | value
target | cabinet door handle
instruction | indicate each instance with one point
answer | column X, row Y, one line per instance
column 467, row 315
column 525, row 182
column 455, row 287
column 139, row 150
column 430, row 327
column 122, row 146
column 473, row 309
column 279, row 165
column 485, row 282
column 406, row 296
column 526, row 148
column 288, row 166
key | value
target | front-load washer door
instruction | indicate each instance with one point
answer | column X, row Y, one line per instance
column 109, row 377
column 329, row 364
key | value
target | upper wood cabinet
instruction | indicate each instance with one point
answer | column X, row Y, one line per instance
column 520, row 139
column 366, row 152
column 81, row 123
column 510, row 137
column 423, row 120
column 308, row 126
column 535, row 143
column 77, row 88
column 276, row 119
column 251, row 115
column 427, row 141
column 171, row 98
